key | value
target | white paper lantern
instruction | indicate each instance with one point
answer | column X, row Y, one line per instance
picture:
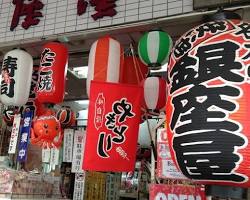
column 16, row 77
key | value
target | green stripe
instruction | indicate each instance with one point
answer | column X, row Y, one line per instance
column 143, row 52
column 164, row 47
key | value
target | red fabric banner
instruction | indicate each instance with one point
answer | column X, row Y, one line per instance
column 112, row 129
column 176, row 192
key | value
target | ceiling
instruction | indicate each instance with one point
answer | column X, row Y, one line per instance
column 79, row 43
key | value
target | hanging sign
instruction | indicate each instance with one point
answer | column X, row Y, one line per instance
column 14, row 134
column 54, row 156
column 113, row 124
column 68, row 145
column 46, row 155
column 165, row 165
column 79, row 186
column 79, row 141
column 24, row 136
column 176, row 192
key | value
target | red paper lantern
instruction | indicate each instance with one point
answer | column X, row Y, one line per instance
column 155, row 93
column 53, row 68
column 133, row 71
column 66, row 117
column 208, row 104
column 105, row 61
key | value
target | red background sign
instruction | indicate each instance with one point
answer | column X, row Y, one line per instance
column 176, row 192
column 112, row 130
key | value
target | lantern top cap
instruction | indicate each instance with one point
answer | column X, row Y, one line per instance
column 222, row 15
column 20, row 48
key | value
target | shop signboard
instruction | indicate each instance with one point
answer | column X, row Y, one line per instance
column 79, row 141
column 176, row 192
column 166, row 167
column 68, row 145
column 24, row 136
column 113, row 124
column 79, row 186
column 14, row 134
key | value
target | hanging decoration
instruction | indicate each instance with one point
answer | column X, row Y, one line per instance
column 154, row 48
column 8, row 115
column 46, row 132
column 66, row 116
column 155, row 93
column 112, row 130
column 16, row 77
column 207, row 108
column 134, row 71
column 105, row 61
column 52, row 73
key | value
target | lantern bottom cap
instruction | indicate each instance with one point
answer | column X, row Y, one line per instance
column 154, row 66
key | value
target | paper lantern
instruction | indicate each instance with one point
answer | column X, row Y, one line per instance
column 46, row 132
column 133, row 71
column 66, row 117
column 105, row 61
column 154, row 48
column 52, row 73
column 208, row 108
column 155, row 93
column 16, row 77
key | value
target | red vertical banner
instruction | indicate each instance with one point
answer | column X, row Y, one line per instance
column 176, row 192
column 113, row 125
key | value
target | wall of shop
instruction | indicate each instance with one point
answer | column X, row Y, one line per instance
column 60, row 16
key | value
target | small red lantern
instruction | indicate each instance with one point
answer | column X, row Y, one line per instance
column 105, row 61
column 52, row 73
column 46, row 132
column 66, row 117
column 134, row 71
column 155, row 93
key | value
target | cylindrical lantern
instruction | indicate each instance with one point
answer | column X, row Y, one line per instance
column 208, row 108
column 155, row 93
column 133, row 71
column 52, row 73
column 16, row 77
column 66, row 117
column 105, row 61
column 154, row 48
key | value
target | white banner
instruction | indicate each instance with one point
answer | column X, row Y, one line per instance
column 79, row 141
column 14, row 134
column 79, row 186
column 46, row 155
column 68, row 145
column 54, row 156
column 165, row 165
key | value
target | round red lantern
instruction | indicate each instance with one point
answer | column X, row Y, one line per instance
column 66, row 117
column 52, row 73
column 133, row 70
column 208, row 104
column 105, row 61
column 155, row 93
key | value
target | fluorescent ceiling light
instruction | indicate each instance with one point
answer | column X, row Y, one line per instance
column 80, row 72
column 83, row 102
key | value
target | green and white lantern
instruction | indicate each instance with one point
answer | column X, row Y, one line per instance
column 154, row 48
